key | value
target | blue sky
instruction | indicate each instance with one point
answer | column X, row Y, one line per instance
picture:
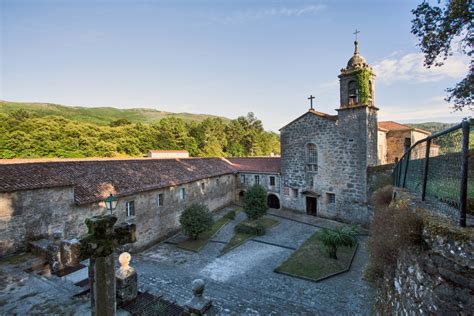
column 218, row 57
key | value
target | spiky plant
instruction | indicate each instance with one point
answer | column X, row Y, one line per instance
column 335, row 238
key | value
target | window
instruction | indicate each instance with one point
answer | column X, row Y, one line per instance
column 352, row 92
column 312, row 158
column 217, row 181
column 294, row 193
column 182, row 194
column 242, row 178
column 160, row 200
column 130, row 207
column 407, row 144
column 311, row 182
column 257, row 179
column 272, row 181
column 331, row 198
column 203, row 185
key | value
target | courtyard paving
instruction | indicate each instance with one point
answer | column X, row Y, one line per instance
column 242, row 281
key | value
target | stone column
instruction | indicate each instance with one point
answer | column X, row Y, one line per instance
column 104, row 286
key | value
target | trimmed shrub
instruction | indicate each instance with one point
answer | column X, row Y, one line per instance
column 195, row 220
column 332, row 239
column 394, row 227
column 250, row 228
column 231, row 215
column 255, row 202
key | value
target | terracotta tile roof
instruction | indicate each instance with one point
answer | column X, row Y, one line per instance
column 393, row 126
column 93, row 180
column 256, row 164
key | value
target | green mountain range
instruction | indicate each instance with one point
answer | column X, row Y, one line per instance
column 100, row 115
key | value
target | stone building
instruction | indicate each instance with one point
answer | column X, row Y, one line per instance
column 395, row 139
column 324, row 158
column 168, row 154
column 322, row 171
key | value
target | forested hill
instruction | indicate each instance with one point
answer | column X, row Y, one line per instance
column 432, row 127
column 71, row 133
column 99, row 115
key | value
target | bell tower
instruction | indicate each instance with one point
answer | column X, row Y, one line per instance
column 357, row 112
column 357, row 82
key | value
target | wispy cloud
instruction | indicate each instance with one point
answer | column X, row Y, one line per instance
column 272, row 12
column 410, row 67
column 433, row 109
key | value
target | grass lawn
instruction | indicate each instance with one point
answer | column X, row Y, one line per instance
column 240, row 238
column 312, row 262
column 196, row 245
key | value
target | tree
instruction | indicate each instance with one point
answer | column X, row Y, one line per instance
column 195, row 220
column 335, row 238
column 438, row 28
column 120, row 122
column 255, row 202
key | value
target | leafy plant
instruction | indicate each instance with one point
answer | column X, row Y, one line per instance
column 195, row 220
column 255, row 202
column 230, row 215
column 332, row 239
column 363, row 84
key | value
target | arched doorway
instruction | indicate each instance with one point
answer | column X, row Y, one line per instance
column 273, row 201
column 241, row 197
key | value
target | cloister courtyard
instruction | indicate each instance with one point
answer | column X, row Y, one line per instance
column 240, row 281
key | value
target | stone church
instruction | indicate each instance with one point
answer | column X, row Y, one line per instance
column 324, row 158
column 322, row 171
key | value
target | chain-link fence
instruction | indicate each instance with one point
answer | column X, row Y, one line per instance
column 437, row 167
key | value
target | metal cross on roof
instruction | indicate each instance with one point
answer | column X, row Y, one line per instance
column 311, row 98
column 356, row 32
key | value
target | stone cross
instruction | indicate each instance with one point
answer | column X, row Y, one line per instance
column 311, row 98
column 99, row 245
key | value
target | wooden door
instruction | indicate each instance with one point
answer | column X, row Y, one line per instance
column 311, row 205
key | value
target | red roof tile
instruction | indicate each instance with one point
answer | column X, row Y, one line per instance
column 94, row 179
column 256, row 164
column 394, row 126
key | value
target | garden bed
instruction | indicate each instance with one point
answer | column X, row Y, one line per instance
column 311, row 262
column 203, row 239
column 240, row 238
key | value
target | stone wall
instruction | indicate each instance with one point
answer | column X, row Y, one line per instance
column 437, row 278
column 396, row 144
column 342, row 165
column 34, row 214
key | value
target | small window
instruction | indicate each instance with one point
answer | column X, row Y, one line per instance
column 203, row 185
column 311, row 182
column 242, row 178
column 257, row 179
column 182, row 194
column 130, row 207
column 331, row 198
column 217, row 181
column 272, row 181
column 160, row 200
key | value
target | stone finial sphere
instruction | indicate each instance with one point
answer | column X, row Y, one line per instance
column 124, row 259
column 198, row 287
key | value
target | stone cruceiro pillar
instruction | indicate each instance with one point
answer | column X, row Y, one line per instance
column 99, row 245
column 199, row 304
column 126, row 277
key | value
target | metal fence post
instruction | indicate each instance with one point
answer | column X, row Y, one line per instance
column 464, row 172
column 425, row 169
column 407, row 157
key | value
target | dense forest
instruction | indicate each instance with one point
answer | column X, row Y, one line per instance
column 24, row 134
